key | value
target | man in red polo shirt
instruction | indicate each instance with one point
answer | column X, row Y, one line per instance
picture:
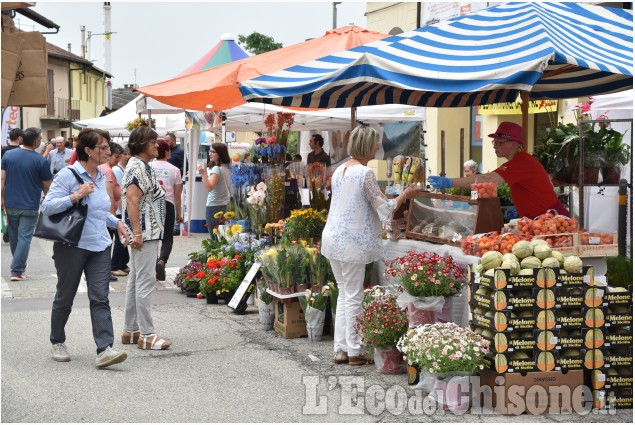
column 530, row 186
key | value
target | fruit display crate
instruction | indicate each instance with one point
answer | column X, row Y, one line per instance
column 595, row 249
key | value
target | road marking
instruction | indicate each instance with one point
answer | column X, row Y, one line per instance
column 6, row 289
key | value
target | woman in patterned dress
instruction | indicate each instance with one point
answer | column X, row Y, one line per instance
column 352, row 236
column 143, row 204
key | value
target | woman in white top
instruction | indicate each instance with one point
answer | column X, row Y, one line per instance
column 352, row 236
column 217, row 184
column 169, row 177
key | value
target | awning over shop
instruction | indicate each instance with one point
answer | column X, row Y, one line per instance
column 549, row 50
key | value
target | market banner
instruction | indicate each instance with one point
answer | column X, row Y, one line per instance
column 10, row 120
column 513, row 108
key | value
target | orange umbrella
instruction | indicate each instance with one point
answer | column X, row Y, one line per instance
column 218, row 86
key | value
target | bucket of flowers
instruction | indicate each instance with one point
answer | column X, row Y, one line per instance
column 319, row 268
column 428, row 279
column 266, row 311
column 314, row 307
column 381, row 325
column 256, row 205
column 441, row 358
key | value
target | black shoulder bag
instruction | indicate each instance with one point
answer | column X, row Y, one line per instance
column 65, row 227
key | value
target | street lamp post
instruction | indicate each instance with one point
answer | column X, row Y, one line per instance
column 335, row 3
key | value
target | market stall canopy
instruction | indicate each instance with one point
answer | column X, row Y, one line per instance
column 218, row 86
column 550, row 50
column 116, row 122
column 225, row 51
column 251, row 116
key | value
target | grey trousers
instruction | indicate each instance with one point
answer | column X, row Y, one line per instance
column 70, row 263
column 141, row 282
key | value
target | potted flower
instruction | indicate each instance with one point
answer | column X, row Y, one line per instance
column 304, row 224
column 616, row 154
column 428, row 279
column 314, row 307
column 381, row 325
column 272, row 260
column 256, row 205
column 319, row 268
column 441, row 357
column 187, row 279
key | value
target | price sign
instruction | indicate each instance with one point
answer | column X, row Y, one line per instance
column 239, row 301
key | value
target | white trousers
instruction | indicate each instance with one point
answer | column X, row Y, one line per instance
column 350, row 282
column 141, row 282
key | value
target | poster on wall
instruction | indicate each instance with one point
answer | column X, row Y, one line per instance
column 433, row 12
column 402, row 139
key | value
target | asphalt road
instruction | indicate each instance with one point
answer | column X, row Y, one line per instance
column 221, row 368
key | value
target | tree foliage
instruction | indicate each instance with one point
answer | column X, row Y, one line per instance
column 257, row 43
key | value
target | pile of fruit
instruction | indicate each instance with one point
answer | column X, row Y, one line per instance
column 526, row 256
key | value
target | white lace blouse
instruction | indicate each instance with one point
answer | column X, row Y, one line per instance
column 353, row 228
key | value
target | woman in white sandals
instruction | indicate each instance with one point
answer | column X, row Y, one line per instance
column 143, row 205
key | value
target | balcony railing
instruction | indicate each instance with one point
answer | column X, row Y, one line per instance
column 58, row 108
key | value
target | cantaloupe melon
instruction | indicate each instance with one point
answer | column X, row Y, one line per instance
column 542, row 251
column 522, row 249
column 530, row 262
column 573, row 264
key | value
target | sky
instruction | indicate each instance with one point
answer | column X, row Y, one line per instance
column 155, row 41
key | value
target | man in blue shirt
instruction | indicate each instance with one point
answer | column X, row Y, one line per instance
column 25, row 174
column 59, row 157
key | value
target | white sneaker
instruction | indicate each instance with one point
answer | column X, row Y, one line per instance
column 109, row 357
column 59, row 353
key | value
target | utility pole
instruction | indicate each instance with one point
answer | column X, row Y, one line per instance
column 335, row 3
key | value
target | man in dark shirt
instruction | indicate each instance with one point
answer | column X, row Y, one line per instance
column 15, row 140
column 318, row 155
column 177, row 159
column 176, row 152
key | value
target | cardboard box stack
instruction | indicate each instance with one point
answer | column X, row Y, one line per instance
column 562, row 324
column 611, row 342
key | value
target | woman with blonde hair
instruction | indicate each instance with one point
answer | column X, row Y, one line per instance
column 352, row 236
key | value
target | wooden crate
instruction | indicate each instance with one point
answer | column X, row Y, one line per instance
column 611, row 250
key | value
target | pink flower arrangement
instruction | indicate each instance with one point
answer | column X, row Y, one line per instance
column 426, row 274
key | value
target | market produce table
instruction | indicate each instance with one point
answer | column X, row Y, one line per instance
column 401, row 247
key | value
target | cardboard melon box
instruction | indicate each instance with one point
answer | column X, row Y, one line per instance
column 289, row 319
column 533, row 392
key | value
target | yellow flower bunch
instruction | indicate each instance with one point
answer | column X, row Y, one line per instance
column 234, row 230
column 305, row 224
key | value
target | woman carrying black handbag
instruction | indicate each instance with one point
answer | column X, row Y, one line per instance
column 91, row 255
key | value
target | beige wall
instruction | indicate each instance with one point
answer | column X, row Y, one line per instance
column 384, row 16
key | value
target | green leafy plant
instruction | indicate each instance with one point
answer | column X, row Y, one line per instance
column 316, row 300
column 504, row 194
column 619, row 271
column 444, row 347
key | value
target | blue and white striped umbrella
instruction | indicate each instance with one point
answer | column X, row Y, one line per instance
column 551, row 50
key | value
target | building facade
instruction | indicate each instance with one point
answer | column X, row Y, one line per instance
column 76, row 90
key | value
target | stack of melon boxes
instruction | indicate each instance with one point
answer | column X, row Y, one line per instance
column 611, row 344
column 545, row 326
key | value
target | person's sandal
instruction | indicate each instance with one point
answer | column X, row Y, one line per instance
column 128, row 337
column 153, row 342
column 340, row 357
column 358, row 360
